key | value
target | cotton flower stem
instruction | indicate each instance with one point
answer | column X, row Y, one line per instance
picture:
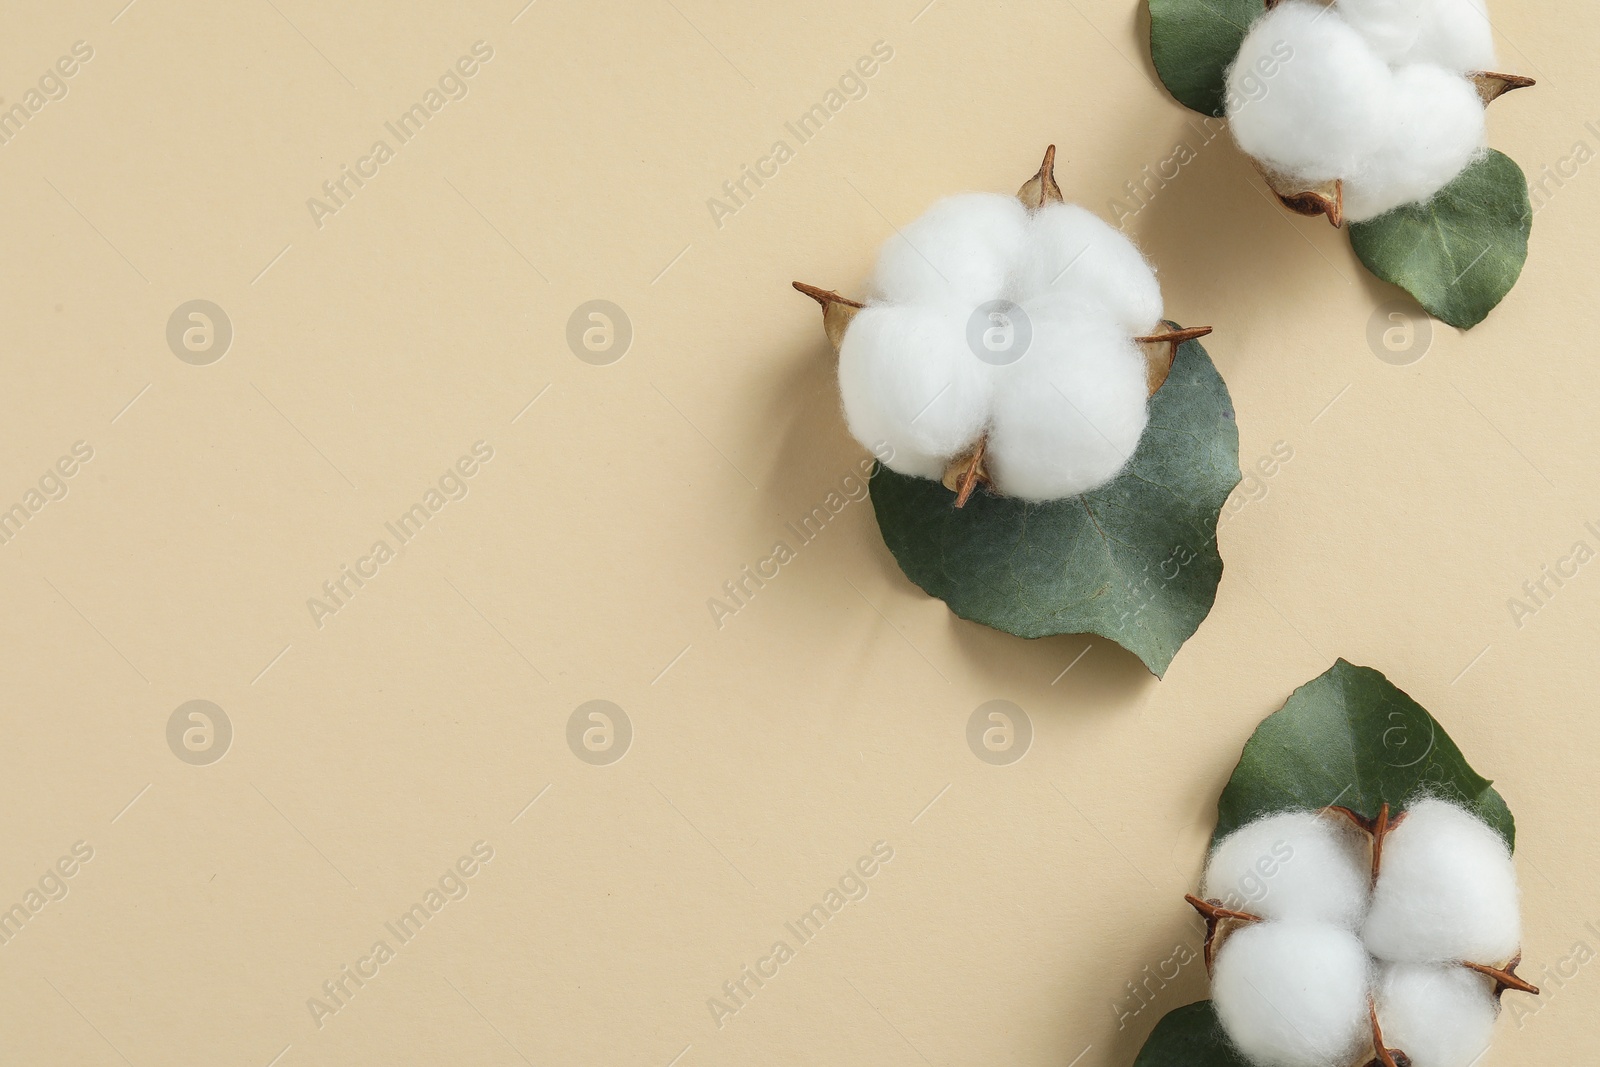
column 1383, row 1056
column 1504, row 978
column 973, row 474
column 1213, row 912
column 1042, row 189
column 967, row 471
column 1161, row 351
column 1379, row 828
column 837, row 311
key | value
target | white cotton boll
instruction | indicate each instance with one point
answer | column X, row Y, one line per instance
column 1335, row 109
column 1440, row 1015
column 1298, row 865
column 1446, row 890
column 933, row 364
column 908, row 378
column 1293, row 994
column 1323, row 109
column 1451, row 33
column 1435, row 129
column 1071, row 250
column 963, row 249
column 1069, row 413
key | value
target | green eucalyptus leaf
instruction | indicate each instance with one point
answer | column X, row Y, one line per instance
column 1351, row 738
column 1134, row 561
column 1190, row 1036
column 1193, row 42
column 1460, row 253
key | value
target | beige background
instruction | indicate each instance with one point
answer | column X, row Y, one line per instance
column 830, row 713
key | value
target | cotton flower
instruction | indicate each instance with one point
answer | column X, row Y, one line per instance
column 1335, row 941
column 1376, row 95
column 1004, row 334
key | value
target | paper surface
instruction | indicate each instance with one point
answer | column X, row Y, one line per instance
column 405, row 356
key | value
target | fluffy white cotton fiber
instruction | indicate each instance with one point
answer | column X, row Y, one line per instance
column 1454, row 34
column 964, row 247
column 1447, row 891
column 1067, row 416
column 1439, row 1016
column 1056, row 382
column 1435, row 130
column 1373, row 93
column 909, row 379
column 1293, row 994
column 1296, row 865
column 1072, row 255
column 1317, row 117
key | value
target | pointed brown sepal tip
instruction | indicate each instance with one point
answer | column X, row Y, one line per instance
column 1042, row 189
column 826, row 296
column 1505, row 978
column 1213, row 912
column 1492, row 85
column 1161, row 351
column 1176, row 337
column 837, row 311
